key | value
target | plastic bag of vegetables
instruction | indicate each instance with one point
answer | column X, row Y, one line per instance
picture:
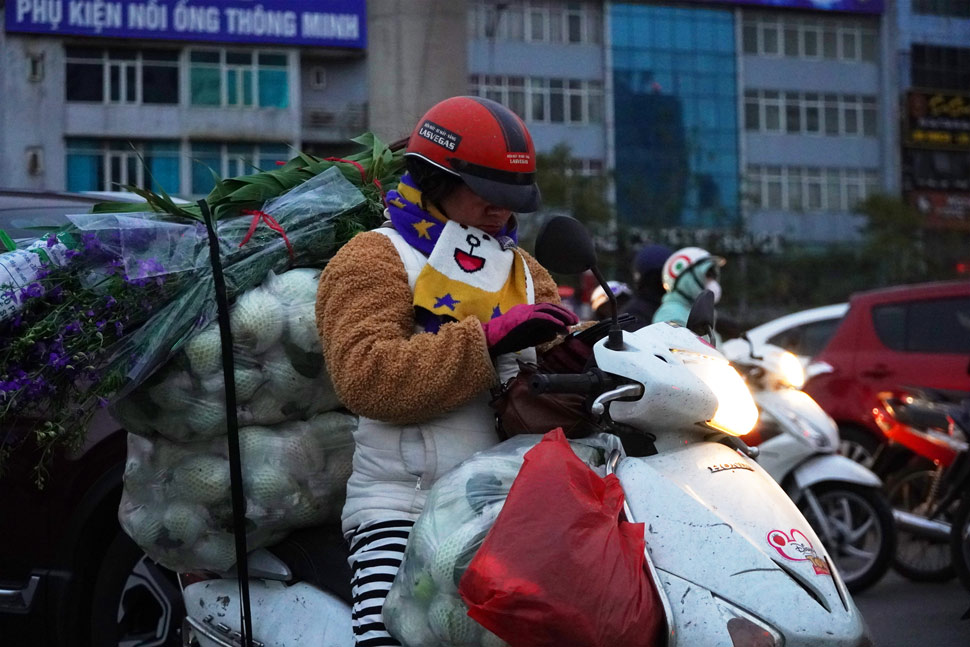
column 176, row 501
column 279, row 370
column 423, row 607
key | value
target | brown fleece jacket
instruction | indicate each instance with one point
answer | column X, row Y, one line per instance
column 380, row 368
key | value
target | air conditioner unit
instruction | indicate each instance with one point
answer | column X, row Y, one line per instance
column 321, row 118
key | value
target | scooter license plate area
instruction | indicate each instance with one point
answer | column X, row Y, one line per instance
column 717, row 520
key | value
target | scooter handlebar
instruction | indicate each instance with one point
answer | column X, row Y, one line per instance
column 593, row 381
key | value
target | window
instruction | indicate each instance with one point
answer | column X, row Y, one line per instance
column 797, row 36
column 953, row 8
column 752, row 111
column 936, row 169
column 772, row 103
column 889, row 321
column 793, row 112
column 809, row 189
column 771, row 111
column 318, row 77
column 537, row 21
column 940, row 68
column 230, row 160
column 126, row 76
column 542, row 100
column 813, row 113
column 242, row 78
column 925, row 326
column 938, row 326
column 808, row 339
column 35, row 67
column 111, row 165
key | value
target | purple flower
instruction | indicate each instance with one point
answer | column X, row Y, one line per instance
column 90, row 313
column 119, row 328
column 150, row 267
column 100, row 324
column 56, row 294
column 71, row 253
column 73, row 327
column 57, row 360
column 31, row 291
column 110, row 301
column 51, row 241
column 90, row 242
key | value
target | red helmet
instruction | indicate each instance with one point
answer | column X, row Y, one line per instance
column 485, row 144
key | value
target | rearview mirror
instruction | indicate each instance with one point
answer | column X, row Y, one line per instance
column 700, row 321
column 563, row 245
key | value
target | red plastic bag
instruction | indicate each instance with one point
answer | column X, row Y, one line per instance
column 559, row 567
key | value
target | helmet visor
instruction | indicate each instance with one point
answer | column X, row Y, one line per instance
column 521, row 198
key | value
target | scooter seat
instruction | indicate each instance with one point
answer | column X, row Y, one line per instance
column 318, row 556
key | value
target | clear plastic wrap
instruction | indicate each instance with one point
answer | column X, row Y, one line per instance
column 176, row 501
column 423, row 607
column 279, row 370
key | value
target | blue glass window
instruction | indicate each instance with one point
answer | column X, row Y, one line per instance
column 676, row 116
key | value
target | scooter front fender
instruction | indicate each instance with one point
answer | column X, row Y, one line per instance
column 300, row 615
column 833, row 467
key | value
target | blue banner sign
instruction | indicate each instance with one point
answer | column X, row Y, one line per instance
column 852, row 6
column 324, row 23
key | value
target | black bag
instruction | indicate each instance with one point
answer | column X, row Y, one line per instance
column 519, row 411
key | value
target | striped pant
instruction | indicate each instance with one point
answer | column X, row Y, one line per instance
column 376, row 552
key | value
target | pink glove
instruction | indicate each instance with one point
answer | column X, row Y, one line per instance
column 526, row 325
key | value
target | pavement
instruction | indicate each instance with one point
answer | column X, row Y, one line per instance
column 901, row 613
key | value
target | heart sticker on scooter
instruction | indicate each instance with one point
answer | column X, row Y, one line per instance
column 796, row 547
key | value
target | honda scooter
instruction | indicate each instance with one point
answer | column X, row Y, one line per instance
column 798, row 445
column 733, row 559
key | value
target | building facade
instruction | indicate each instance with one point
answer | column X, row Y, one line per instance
column 932, row 55
column 770, row 117
column 171, row 95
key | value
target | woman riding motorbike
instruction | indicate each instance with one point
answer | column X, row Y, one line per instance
column 687, row 273
column 420, row 317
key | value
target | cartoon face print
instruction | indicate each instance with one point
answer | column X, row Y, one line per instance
column 471, row 256
column 468, row 261
column 796, row 547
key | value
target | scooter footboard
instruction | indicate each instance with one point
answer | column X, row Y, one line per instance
column 300, row 615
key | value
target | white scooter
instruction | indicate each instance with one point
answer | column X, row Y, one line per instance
column 734, row 561
column 798, row 445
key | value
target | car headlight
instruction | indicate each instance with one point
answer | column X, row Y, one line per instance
column 736, row 412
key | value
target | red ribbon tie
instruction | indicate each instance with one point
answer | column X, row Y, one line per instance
column 262, row 216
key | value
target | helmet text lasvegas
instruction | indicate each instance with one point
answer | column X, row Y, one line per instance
column 441, row 136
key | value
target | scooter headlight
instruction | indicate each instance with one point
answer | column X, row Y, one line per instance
column 791, row 370
column 745, row 629
column 736, row 412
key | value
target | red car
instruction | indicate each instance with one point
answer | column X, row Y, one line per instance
column 891, row 339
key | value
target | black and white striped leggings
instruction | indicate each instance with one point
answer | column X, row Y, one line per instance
column 376, row 551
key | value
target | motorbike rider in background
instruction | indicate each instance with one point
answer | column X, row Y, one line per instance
column 687, row 273
column 420, row 317
column 648, row 288
column 599, row 301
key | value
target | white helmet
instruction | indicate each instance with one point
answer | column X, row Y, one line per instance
column 599, row 297
column 684, row 260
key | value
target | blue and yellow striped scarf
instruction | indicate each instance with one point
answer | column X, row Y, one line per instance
column 469, row 273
